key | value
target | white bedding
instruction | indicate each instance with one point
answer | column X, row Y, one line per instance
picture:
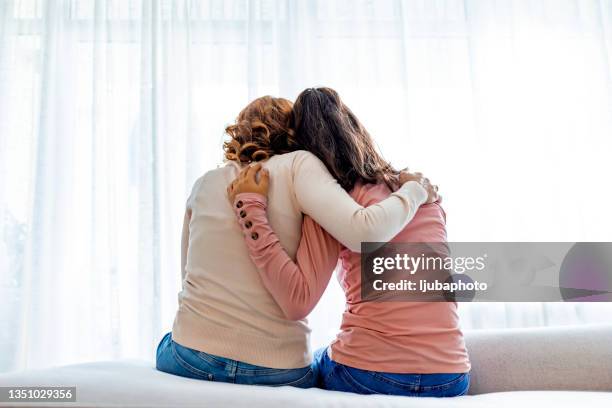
column 552, row 367
column 138, row 384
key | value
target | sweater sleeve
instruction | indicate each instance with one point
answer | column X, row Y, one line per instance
column 320, row 196
column 295, row 286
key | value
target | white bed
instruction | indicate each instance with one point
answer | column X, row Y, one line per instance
column 554, row 367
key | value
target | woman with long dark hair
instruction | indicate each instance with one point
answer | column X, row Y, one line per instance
column 392, row 347
column 228, row 327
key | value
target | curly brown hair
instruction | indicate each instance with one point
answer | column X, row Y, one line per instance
column 260, row 131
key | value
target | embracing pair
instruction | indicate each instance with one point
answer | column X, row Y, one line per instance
column 302, row 188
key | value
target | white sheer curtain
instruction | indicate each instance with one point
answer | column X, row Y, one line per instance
column 110, row 109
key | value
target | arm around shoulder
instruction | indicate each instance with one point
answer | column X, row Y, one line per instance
column 321, row 197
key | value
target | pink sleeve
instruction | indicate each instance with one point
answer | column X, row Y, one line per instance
column 296, row 286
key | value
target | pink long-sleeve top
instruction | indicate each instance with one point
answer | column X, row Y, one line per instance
column 392, row 337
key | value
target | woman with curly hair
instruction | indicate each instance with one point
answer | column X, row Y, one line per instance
column 228, row 326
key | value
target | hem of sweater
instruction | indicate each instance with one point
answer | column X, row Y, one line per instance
column 424, row 367
column 240, row 345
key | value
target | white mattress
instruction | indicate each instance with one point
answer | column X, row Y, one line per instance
column 138, row 384
column 510, row 368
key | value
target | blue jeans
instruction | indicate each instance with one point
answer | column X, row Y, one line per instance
column 338, row 377
column 175, row 359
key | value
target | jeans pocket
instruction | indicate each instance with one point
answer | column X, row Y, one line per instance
column 305, row 381
column 276, row 377
column 356, row 380
column 192, row 366
column 456, row 386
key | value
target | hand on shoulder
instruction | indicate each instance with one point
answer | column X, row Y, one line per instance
column 252, row 179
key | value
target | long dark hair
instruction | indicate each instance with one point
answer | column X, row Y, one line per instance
column 325, row 126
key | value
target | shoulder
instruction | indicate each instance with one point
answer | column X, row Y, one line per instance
column 228, row 168
column 367, row 194
column 295, row 156
column 212, row 183
column 219, row 174
column 434, row 210
column 304, row 160
column 197, row 183
column 304, row 155
column 208, row 175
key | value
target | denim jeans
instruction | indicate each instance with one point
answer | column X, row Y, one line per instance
column 338, row 377
column 175, row 359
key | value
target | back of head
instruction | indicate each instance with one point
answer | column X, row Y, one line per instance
column 326, row 127
column 260, row 131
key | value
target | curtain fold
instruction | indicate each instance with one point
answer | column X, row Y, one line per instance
column 110, row 109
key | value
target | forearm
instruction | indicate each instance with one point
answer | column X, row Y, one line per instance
column 321, row 197
column 382, row 221
column 296, row 286
column 352, row 224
